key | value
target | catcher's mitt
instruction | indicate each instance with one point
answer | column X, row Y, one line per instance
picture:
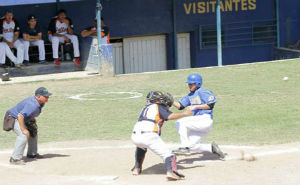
column 168, row 99
column 32, row 127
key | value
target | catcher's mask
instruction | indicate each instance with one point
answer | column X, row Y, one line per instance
column 153, row 96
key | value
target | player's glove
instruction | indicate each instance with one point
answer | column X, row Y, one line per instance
column 32, row 127
column 168, row 99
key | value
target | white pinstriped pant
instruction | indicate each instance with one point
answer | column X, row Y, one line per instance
column 6, row 51
column 150, row 139
column 192, row 129
column 56, row 40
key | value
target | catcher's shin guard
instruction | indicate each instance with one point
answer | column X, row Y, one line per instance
column 172, row 173
column 171, row 163
column 139, row 159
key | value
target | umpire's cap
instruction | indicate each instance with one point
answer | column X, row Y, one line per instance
column 42, row 91
column 31, row 16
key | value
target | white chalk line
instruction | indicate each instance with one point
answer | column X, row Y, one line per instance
column 97, row 179
column 10, row 166
column 81, row 96
column 128, row 146
column 260, row 154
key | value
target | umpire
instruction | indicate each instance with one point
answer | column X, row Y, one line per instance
column 22, row 118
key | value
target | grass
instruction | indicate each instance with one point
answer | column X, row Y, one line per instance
column 254, row 104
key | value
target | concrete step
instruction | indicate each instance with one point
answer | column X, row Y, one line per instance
column 39, row 69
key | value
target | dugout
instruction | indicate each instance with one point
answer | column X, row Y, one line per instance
column 142, row 31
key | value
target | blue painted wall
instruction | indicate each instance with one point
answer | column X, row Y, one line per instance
column 136, row 17
column 128, row 18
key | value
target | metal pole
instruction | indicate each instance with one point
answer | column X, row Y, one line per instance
column 98, row 5
column 219, row 36
column 200, row 37
column 175, row 36
column 277, row 23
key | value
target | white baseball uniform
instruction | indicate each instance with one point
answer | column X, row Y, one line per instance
column 58, row 27
column 2, row 53
column 6, row 51
column 193, row 128
column 7, row 31
column 146, row 132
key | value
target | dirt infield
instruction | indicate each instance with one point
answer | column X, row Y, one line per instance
column 109, row 162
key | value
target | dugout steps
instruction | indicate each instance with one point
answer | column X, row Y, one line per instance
column 40, row 69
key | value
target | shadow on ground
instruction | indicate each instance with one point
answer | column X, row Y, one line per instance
column 46, row 156
column 205, row 156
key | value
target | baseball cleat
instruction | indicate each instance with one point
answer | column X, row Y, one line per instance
column 36, row 156
column 182, row 151
column 56, row 62
column 77, row 61
column 216, row 150
column 174, row 176
column 136, row 171
column 16, row 161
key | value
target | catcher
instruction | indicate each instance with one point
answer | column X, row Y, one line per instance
column 21, row 119
column 147, row 130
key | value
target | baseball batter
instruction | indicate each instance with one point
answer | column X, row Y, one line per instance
column 193, row 128
column 146, row 132
column 61, row 31
column 10, row 32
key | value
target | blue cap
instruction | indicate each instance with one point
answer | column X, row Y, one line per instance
column 194, row 78
column 42, row 91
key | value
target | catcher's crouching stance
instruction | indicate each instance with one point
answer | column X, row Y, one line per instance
column 146, row 132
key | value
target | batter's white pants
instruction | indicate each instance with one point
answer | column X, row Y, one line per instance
column 152, row 141
column 56, row 40
column 39, row 43
column 192, row 129
column 6, row 51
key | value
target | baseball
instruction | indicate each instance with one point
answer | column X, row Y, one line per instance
column 247, row 157
column 285, row 78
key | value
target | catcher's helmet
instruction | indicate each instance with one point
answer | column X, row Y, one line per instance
column 152, row 96
column 194, row 78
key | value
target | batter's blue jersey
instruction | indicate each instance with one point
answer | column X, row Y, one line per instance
column 200, row 96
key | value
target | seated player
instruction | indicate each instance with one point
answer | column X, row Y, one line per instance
column 32, row 35
column 61, row 31
column 92, row 31
column 10, row 32
column 5, row 52
column 146, row 132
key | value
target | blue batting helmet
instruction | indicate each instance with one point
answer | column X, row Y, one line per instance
column 194, row 78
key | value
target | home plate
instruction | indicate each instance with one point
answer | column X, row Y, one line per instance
column 97, row 179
